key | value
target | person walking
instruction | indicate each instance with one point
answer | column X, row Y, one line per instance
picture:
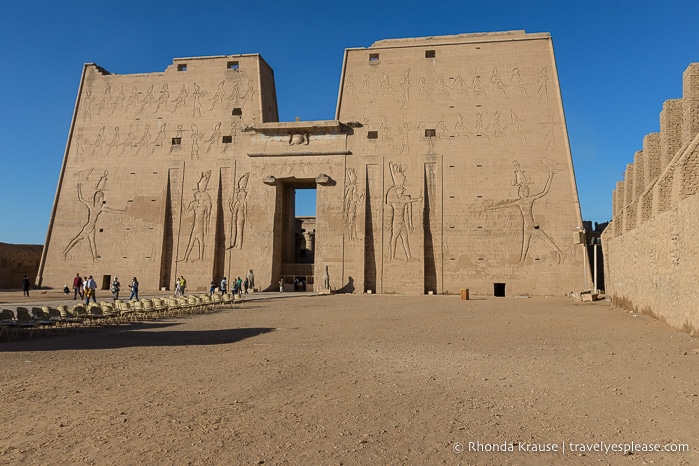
column 116, row 287
column 183, row 285
column 224, row 286
column 77, row 286
column 178, row 291
column 90, row 290
column 134, row 289
column 212, row 288
column 85, row 283
column 25, row 285
column 246, row 283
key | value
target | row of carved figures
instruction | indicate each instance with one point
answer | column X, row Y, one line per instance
column 198, row 210
column 469, row 87
column 498, row 129
column 198, row 142
column 145, row 143
column 400, row 202
column 190, row 99
column 397, row 197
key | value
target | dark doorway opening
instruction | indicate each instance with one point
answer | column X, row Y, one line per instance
column 106, row 281
column 295, row 233
column 499, row 290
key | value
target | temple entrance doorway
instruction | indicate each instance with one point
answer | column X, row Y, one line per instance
column 295, row 234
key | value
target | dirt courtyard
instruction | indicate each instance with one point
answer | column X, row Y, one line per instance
column 352, row 379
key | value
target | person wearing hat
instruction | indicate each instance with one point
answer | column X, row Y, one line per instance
column 116, row 287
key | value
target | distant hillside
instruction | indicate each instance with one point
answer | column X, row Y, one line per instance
column 16, row 261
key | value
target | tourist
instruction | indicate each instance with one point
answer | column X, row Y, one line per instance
column 87, row 292
column 183, row 285
column 178, row 290
column 239, row 285
column 77, row 286
column 25, row 285
column 281, row 285
column 246, row 283
column 116, row 287
column 66, row 290
column 134, row 289
column 90, row 290
column 236, row 289
column 224, row 285
column 212, row 288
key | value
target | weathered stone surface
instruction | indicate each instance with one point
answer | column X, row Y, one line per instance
column 16, row 261
column 650, row 249
column 448, row 166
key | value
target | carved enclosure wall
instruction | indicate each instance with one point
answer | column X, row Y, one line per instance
column 447, row 166
column 649, row 245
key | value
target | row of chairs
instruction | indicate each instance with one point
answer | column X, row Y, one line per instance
column 60, row 318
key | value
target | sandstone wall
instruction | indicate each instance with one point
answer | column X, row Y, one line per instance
column 650, row 250
column 447, row 167
column 475, row 125
column 16, row 261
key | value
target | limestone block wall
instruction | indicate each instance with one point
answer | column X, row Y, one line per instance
column 650, row 245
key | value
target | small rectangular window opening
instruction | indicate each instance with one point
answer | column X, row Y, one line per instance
column 430, row 133
column 233, row 65
column 373, row 57
column 429, row 53
column 499, row 290
column 176, row 141
column 227, row 139
column 372, row 135
column 237, row 112
column 182, row 67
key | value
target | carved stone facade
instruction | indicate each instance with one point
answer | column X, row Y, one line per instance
column 649, row 247
column 447, row 167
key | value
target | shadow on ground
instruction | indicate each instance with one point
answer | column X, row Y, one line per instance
column 140, row 334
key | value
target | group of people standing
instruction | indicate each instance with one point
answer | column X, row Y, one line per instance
column 87, row 288
column 239, row 286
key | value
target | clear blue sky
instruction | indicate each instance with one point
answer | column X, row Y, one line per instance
column 617, row 62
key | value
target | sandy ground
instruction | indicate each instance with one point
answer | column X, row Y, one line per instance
column 349, row 379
